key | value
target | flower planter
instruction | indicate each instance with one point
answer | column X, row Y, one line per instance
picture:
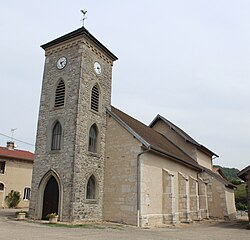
column 21, row 215
column 53, row 219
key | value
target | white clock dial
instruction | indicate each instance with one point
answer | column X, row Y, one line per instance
column 61, row 62
column 97, row 68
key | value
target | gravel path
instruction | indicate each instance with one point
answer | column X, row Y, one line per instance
column 23, row 230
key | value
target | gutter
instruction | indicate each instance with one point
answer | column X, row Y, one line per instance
column 139, row 185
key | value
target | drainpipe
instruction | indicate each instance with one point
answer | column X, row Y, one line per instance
column 139, row 185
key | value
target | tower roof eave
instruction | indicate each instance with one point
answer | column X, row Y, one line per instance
column 84, row 32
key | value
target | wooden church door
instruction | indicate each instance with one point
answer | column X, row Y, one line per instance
column 50, row 198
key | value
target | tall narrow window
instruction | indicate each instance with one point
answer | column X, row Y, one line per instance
column 60, row 94
column 93, row 139
column 2, row 167
column 95, row 98
column 1, row 187
column 56, row 137
column 26, row 194
column 91, row 188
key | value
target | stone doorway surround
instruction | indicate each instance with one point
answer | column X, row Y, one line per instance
column 41, row 189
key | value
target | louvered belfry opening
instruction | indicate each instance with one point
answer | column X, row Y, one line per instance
column 60, row 94
column 95, row 98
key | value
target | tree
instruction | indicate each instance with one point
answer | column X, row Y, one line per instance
column 12, row 199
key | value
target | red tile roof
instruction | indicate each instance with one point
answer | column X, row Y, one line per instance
column 16, row 154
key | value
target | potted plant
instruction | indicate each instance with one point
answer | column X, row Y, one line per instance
column 53, row 217
column 20, row 215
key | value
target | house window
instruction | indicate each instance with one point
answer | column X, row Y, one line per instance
column 95, row 98
column 93, row 139
column 91, row 188
column 1, row 187
column 2, row 167
column 56, row 137
column 60, row 94
column 26, row 194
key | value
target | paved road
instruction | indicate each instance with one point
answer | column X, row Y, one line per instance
column 10, row 229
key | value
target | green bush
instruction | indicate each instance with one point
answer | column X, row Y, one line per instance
column 241, row 206
column 241, row 197
column 12, row 199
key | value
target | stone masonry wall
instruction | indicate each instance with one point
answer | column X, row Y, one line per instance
column 73, row 163
column 120, row 182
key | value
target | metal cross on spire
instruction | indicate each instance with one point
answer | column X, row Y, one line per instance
column 84, row 12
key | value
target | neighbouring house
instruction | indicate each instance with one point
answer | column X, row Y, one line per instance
column 15, row 173
column 244, row 174
column 95, row 162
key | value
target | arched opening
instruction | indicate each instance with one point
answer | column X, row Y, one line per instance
column 56, row 136
column 93, row 132
column 50, row 198
column 60, row 94
column 95, row 98
column 1, row 195
column 91, row 188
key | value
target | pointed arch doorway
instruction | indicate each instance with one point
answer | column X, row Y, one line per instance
column 50, row 198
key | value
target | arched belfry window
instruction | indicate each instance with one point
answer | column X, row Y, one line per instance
column 56, row 136
column 91, row 188
column 95, row 98
column 1, row 186
column 60, row 94
column 93, row 138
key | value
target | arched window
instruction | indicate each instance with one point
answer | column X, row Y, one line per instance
column 91, row 188
column 26, row 194
column 93, row 138
column 56, row 137
column 60, row 94
column 1, row 186
column 95, row 98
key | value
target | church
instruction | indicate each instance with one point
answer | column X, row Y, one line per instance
column 95, row 162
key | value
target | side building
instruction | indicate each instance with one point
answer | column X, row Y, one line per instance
column 15, row 173
column 220, row 192
column 244, row 174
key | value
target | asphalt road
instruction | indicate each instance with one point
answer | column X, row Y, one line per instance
column 10, row 229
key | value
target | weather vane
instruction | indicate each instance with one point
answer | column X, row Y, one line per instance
column 84, row 12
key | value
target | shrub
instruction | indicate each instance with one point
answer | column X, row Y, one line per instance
column 12, row 199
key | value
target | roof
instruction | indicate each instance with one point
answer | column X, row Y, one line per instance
column 80, row 32
column 219, row 178
column 152, row 139
column 183, row 134
column 16, row 154
column 243, row 173
column 219, row 172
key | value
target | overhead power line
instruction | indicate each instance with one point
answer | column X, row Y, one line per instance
column 18, row 140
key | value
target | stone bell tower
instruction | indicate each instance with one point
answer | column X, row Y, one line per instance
column 70, row 146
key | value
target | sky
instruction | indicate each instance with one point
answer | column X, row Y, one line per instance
column 185, row 60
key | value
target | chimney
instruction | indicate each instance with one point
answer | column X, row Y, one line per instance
column 10, row 145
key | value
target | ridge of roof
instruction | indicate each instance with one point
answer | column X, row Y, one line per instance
column 182, row 133
column 16, row 154
column 151, row 138
column 78, row 32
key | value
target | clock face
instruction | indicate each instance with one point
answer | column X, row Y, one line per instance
column 61, row 63
column 97, row 68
